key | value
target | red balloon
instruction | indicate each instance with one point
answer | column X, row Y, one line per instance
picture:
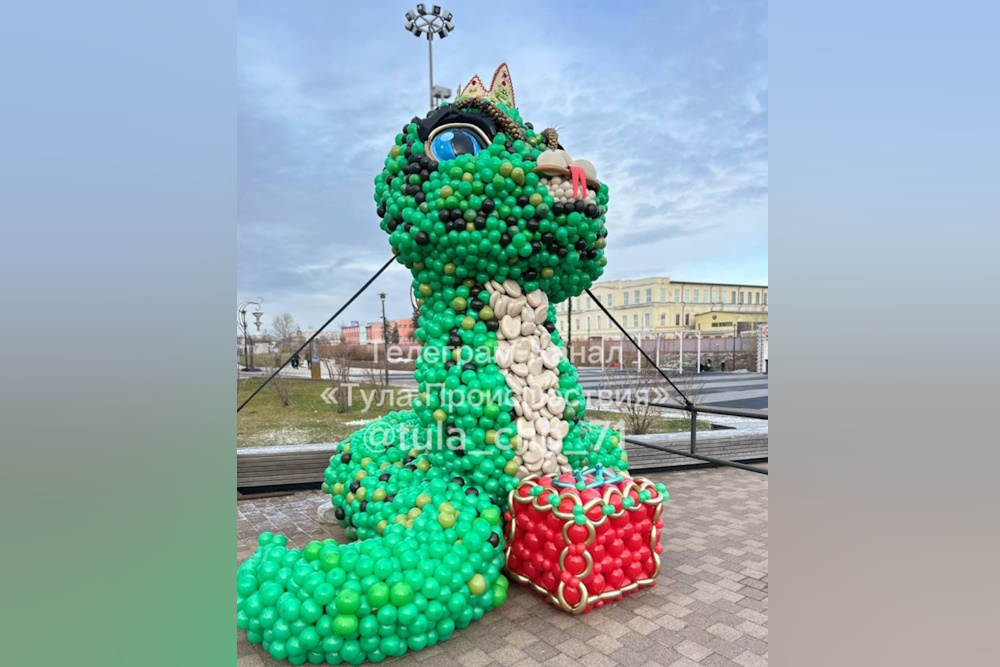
column 616, row 547
column 577, row 533
column 572, row 596
column 575, row 564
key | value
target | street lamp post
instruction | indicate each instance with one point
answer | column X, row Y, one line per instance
column 385, row 338
column 436, row 22
column 241, row 320
column 736, row 332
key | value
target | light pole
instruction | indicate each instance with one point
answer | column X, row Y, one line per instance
column 385, row 338
column 241, row 320
column 436, row 22
column 736, row 332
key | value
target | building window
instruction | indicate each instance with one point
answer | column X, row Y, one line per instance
column 663, row 296
column 687, row 296
column 677, row 320
column 696, row 296
column 677, row 295
column 765, row 298
column 636, row 295
column 734, row 296
column 741, row 298
column 588, row 322
column 611, row 299
column 600, row 324
column 588, row 303
column 645, row 320
column 649, row 295
column 687, row 319
column 704, row 295
column 635, row 320
column 578, row 323
column 663, row 319
column 625, row 298
column 757, row 298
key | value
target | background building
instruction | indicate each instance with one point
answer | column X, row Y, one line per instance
column 353, row 333
column 370, row 333
column 659, row 304
column 403, row 326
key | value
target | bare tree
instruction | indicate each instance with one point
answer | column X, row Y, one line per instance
column 284, row 328
column 338, row 368
column 393, row 334
column 634, row 398
column 282, row 389
column 373, row 374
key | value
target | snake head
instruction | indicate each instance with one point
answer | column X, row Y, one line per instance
column 472, row 192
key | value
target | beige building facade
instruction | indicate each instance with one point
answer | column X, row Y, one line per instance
column 659, row 304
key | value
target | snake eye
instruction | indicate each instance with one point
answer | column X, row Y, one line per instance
column 450, row 141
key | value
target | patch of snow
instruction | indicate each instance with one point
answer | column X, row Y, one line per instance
column 281, row 436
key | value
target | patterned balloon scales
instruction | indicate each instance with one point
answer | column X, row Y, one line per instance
column 496, row 223
column 585, row 538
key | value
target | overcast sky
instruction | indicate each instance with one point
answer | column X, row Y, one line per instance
column 668, row 100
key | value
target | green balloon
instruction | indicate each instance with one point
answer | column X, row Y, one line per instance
column 345, row 625
column 348, row 601
column 401, row 594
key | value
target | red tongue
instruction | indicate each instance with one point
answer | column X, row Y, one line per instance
column 577, row 175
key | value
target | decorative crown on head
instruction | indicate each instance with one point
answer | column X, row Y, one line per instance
column 501, row 89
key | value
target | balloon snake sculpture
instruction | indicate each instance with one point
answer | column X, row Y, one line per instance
column 496, row 224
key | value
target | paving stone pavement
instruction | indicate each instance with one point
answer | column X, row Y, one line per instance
column 708, row 607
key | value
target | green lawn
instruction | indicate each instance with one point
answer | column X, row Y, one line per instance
column 659, row 424
column 264, row 421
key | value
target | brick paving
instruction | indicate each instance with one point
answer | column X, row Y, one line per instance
column 708, row 608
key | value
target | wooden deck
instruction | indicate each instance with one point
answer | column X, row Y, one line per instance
column 728, row 446
column 282, row 465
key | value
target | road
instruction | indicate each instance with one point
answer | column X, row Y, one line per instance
column 745, row 391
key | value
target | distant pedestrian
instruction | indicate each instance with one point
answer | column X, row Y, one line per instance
column 295, row 360
column 708, row 364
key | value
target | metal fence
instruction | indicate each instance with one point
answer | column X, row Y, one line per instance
column 680, row 352
column 693, row 411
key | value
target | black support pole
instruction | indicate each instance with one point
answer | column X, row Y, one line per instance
column 694, row 430
column 318, row 331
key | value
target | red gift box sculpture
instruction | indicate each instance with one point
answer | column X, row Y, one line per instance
column 585, row 538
